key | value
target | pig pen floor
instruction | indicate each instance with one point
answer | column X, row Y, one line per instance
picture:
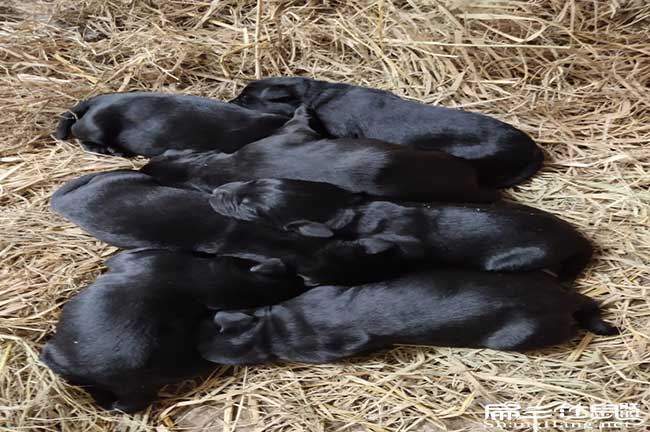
column 573, row 74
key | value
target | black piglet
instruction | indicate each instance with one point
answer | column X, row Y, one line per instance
column 502, row 155
column 494, row 237
column 457, row 308
column 132, row 330
column 148, row 124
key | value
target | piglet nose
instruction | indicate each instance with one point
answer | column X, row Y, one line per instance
column 50, row 357
column 46, row 356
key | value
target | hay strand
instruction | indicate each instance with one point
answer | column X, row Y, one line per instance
column 575, row 75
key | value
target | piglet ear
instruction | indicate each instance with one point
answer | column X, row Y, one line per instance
column 176, row 152
column 303, row 114
column 306, row 119
column 215, row 347
column 232, row 320
column 278, row 93
column 272, row 266
column 215, row 203
column 309, row 228
column 374, row 246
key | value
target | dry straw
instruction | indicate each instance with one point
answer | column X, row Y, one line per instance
column 574, row 74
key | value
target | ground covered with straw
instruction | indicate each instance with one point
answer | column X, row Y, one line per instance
column 573, row 74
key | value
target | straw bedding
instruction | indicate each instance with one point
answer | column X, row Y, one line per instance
column 573, row 74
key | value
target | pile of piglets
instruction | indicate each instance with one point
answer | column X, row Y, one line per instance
column 304, row 221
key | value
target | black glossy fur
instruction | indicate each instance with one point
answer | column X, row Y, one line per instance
column 495, row 237
column 129, row 209
column 358, row 165
column 502, row 155
column 457, row 308
column 132, row 330
column 147, row 124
